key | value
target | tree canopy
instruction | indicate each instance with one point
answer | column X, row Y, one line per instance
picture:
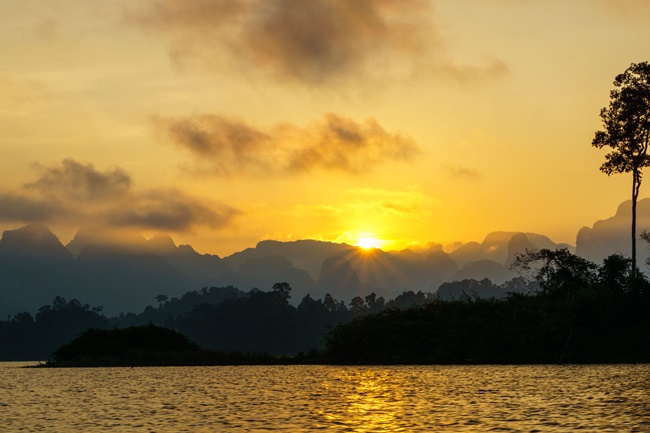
column 626, row 123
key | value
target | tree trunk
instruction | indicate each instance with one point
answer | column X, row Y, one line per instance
column 636, row 184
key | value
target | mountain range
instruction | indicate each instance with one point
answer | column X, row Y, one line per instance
column 126, row 273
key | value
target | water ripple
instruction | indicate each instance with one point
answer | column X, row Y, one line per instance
column 528, row 399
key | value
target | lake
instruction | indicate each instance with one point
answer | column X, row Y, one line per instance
column 599, row 398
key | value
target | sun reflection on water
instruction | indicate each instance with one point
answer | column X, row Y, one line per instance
column 303, row 399
column 372, row 402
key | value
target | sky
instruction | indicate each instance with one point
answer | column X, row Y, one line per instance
column 223, row 123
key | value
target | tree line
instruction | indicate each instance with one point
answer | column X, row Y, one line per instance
column 224, row 318
column 581, row 313
column 564, row 309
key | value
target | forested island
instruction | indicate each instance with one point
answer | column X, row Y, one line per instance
column 148, row 345
column 571, row 311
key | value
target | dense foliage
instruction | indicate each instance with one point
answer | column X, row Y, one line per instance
column 218, row 318
column 27, row 337
column 581, row 313
column 133, row 345
column 141, row 346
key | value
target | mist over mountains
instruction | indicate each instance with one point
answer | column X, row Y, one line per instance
column 126, row 272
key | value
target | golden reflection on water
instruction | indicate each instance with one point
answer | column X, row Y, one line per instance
column 299, row 399
column 371, row 402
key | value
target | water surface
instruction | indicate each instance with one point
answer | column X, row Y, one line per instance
column 604, row 398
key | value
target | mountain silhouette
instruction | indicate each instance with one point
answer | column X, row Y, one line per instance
column 339, row 279
column 304, row 254
column 261, row 272
column 121, row 279
column 494, row 271
column 34, row 266
column 122, row 271
column 119, row 271
column 518, row 244
column 202, row 269
column 441, row 264
column 93, row 236
column 33, row 241
column 613, row 235
column 496, row 247
column 391, row 273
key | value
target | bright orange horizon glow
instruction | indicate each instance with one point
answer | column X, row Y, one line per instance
column 368, row 243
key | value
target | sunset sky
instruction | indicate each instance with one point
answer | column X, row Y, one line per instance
column 226, row 122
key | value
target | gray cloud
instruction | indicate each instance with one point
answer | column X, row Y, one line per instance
column 21, row 207
column 227, row 146
column 77, row 194
column 76, row 181
column 462, row 172
column 313, row 42
column 169, row 210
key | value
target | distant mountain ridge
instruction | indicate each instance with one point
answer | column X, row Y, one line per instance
column 120, row 276
column 613, row 235
column 124, row 272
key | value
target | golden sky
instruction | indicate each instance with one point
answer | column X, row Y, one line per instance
column 226, row 122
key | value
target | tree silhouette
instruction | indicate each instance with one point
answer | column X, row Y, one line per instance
column 556, row 271
column 626, row 124
column 161, row 299
column 358, row 305
column 283, row 290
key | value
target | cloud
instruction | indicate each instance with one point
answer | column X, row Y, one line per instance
column 313, row 42
column 169, row 210
column 226, row 146
column 457, row 171
column 76, row 181
column 20, row 207
column 78, row 194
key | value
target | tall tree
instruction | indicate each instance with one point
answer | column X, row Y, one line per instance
column 626, row 124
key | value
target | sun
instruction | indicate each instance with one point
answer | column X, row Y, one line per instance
column 368, row 243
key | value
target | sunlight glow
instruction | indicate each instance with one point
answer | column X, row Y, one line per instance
column 368, row 242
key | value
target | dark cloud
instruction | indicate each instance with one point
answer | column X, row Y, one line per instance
column 169, row 210
column 76, row 181
column 21, row 207
column 226, row 146
column 313, row 42
column 77, row 194
column 317, row 40
column 338, row 143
